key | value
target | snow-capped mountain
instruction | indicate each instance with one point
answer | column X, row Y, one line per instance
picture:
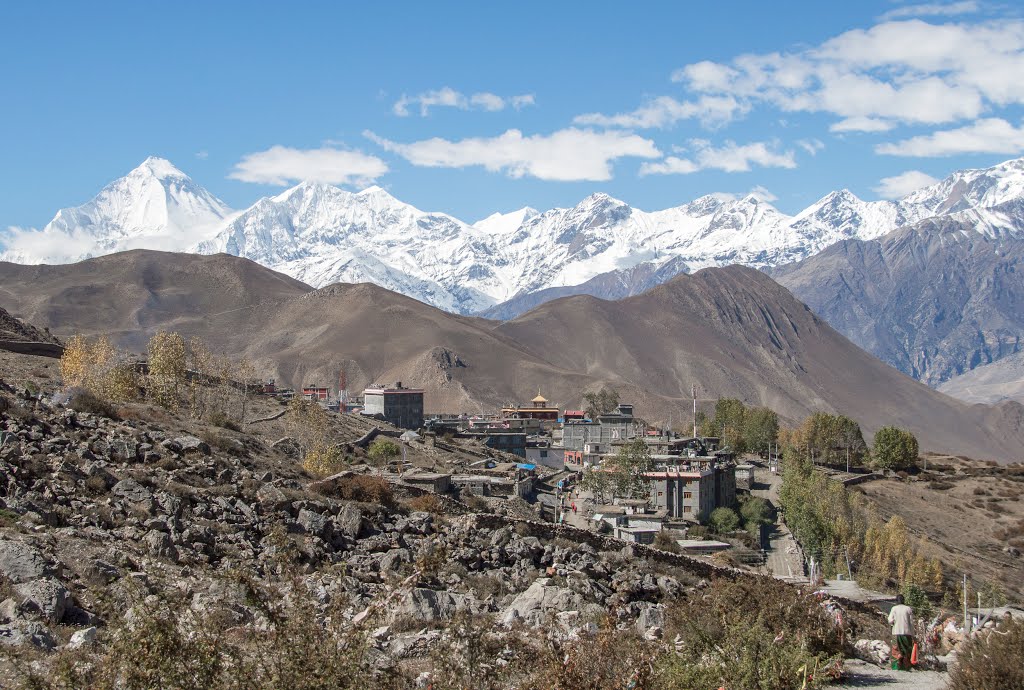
column 321, row 234
column 155, row 206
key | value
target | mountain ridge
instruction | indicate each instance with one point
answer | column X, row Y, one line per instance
column 321, row 234
column 732, row 331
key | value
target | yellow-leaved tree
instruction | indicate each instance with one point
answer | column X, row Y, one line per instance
column 167, row 369
column 100, row 368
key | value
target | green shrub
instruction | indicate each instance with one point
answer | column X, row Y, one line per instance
column 724, row 519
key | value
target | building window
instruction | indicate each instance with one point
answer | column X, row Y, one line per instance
column 687, row 509
column 661, row 493
column 687, row 494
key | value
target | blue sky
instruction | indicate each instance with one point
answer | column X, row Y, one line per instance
column 653, row 103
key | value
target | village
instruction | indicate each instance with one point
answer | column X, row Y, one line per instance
column 558, row 465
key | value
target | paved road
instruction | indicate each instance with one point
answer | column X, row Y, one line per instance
column 784, row 560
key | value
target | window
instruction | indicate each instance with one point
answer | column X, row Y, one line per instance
column 687, row 494
column 687, row 509
column 661, row 493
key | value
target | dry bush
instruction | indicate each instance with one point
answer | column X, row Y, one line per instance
column 750, row 635
column 991, row 661
column 938, row 485
column 323, row 460
column 427, row 503
column 82, row 400
column 366, row 489
column 664, row 541
column 475, row 503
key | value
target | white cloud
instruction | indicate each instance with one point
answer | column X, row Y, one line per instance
column 731, row 157
column 665, row 111
column 906, row 72
column 448, row 97
column 280, row 165
column 762, row 194
column 861, row 124
column 991, row 135
column 566, row 155
column 811, row 146
column 49, row 245
column 487, row 101
column 202, row 155
column 900, row 185
column 932, row 9
column 520, row 102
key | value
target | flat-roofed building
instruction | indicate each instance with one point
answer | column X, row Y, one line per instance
column 397, row 405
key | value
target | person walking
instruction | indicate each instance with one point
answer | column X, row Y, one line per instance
column 901, row 618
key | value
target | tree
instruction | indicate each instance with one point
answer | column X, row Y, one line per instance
column 167, row 369
column 602, row 402
column 627, row 468
column 724, row 519
column 756, row 511
column 894, row 449
column 598, row 482
column 383, row 450
column 99, row 368
column 760, row 429
column 728, row 423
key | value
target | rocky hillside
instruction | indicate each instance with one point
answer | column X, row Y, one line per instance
column 105, row 522
column 17, row 330
column 990, row 383
column 934, row 300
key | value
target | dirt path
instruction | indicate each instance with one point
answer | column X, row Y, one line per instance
column 860, row 674
column 784, row 558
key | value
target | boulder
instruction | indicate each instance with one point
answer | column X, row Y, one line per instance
column 314, row 523
column 537, row 600
column 36, row 634
column 46, row 598
column 191, row 444
column 20, row 562
column 131, row 491
column 430, row 605
column 350, row 522
column 81, row 638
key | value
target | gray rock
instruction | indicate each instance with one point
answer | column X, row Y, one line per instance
column 393, row 559
column 271, row 498
column 288, row 446
column 131, row 491
column 20, row 562
column 46, row 598
column 36, row 634
column 314, row 523
column 430, row 605
column 191, row 444
column 81, row 638
column 350, row 522
column 537, row 600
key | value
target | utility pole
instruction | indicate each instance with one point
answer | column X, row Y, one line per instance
column 693, row 391
column 849, row 570
column 967, row 622
column 847, row 459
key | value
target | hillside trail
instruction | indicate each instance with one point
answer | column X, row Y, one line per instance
column 861, row 674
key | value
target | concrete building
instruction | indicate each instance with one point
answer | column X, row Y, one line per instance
column 687, row 493
column 614, row 426
column 400, row 406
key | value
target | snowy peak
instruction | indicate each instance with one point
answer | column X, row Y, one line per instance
column 154, row 206
column 160, row 168
column 319, row 233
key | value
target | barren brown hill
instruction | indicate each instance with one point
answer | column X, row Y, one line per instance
column 735, row 332
column 130, row 295
column 732, row 331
